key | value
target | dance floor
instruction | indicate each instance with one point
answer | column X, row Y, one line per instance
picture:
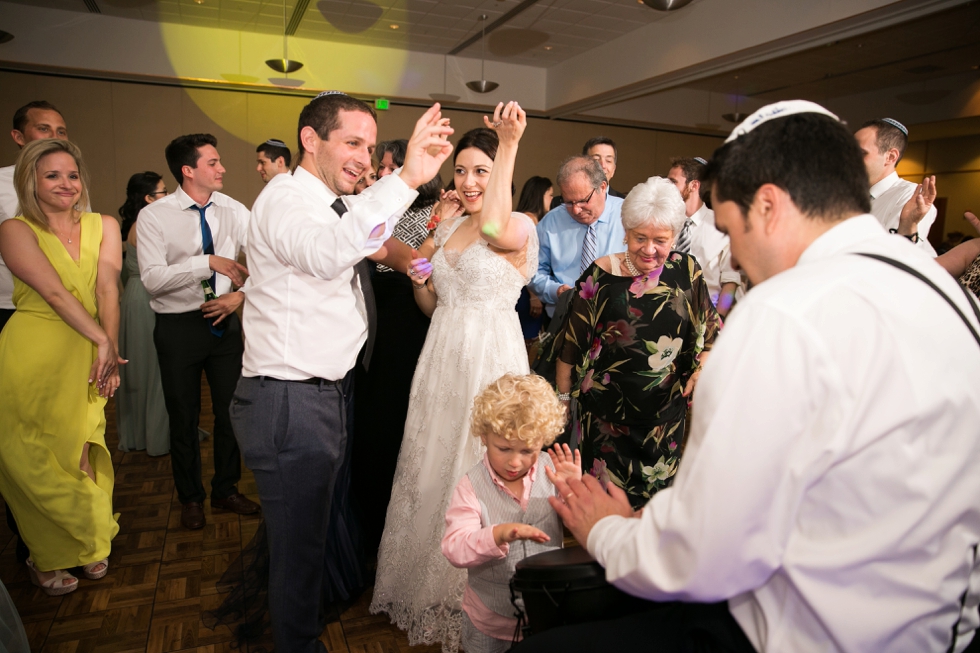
column 162, row 578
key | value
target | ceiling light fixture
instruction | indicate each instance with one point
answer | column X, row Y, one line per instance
column 665, row 5
column 738, row 116
column 284, row 65
column 482, row 85
column 444, row 97
column 393, row 26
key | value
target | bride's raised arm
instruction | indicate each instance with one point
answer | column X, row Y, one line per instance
column 496, row 226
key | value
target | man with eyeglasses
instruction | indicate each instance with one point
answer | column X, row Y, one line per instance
column 586, row 226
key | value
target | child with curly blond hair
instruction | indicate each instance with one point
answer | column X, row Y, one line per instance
column 499, row 513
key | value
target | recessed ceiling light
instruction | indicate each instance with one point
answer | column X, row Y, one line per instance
column 199, row 2
column 548, row 47
column 393, row 26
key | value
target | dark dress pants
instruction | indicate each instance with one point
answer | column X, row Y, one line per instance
column 294, row 437
column 22, row 552
column 186, row 347
column 667, row 628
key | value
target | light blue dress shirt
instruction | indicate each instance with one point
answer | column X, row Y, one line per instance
column 560, row 240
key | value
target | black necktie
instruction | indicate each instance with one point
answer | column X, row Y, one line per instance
column 363, row 271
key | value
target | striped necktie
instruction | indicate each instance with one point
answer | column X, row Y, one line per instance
column 588, row 249
column 683, row 243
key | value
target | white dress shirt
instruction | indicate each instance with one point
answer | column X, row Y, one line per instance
column 829, row 488
column 713, row 252
column 888, row 197
column 8, row 209
column 172, row 259
column 304, row 310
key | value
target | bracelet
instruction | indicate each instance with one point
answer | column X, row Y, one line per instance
column 420, row 287
column 564, row 396
column 914, row 237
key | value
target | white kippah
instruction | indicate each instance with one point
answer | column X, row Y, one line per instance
column 326, row 93
column 700, row 160
column 897, row 125
column 777, row 110
column 275, row 142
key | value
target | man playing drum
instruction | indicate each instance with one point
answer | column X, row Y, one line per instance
column 827, row 499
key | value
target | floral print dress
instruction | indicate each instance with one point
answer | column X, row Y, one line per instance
column 633, row 346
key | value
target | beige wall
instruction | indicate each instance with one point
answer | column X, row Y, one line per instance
column 123, row 128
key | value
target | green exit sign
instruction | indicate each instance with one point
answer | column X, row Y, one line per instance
column 382, row 104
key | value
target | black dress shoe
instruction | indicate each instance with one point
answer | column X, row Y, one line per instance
column 236, row 503
column 192, row 516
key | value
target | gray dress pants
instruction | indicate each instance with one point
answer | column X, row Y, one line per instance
column 293, row 436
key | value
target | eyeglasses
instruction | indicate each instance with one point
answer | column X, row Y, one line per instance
column 159, row 192
column 571, row 205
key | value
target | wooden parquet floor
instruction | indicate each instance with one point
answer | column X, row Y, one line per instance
column 161, row 577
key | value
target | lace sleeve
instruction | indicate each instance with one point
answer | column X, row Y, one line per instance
column 446, row 229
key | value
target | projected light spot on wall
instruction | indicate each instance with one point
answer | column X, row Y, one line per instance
column 336, row 40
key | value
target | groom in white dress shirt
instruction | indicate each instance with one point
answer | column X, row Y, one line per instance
column 307, row 320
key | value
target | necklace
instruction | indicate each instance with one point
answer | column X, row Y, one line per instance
column 629, row 266
column 71, row 228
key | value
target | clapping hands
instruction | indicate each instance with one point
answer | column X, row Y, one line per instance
column 918, row 206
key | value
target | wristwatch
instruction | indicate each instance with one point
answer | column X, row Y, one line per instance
column 914, row 237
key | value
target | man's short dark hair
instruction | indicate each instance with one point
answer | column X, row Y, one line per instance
column 809, row 155
column 323, row 115
column 273, row 151
column 20, row 116
column 600, row 140
column 185, row 151
column 888, row 136
column 692, row 168
column 397, row 147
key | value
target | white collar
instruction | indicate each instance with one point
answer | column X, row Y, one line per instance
column 313, row 183
column 841, row 237
column 698, row 216
column 884, row 184
column 185, row 202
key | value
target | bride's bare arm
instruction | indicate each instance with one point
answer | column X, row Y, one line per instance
column 495, row 223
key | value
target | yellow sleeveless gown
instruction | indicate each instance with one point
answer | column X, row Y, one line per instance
column 48, row 411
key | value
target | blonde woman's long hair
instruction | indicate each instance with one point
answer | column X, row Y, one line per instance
column 25, row 177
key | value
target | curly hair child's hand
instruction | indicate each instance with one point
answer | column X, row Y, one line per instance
column 567, row 464
column 506, row 533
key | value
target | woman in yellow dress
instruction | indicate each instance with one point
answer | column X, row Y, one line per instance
column 58, row 364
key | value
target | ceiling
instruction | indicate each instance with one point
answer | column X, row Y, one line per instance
column 936, row 46
column 542, row 33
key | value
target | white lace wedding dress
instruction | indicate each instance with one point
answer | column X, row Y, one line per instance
column 475, row 338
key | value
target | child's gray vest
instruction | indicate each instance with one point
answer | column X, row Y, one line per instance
column 491, row 580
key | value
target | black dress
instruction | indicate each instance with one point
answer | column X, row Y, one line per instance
column 381, row 402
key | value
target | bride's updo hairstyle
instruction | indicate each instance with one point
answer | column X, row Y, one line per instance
column 519, row 407
column 482, row 139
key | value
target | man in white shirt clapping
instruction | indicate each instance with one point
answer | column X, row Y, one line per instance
column 827, row 496
column 307, row 320
column 189, row 246
column 883, row 142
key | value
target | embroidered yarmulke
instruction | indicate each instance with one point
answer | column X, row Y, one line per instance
column 777, row 110
column 275, row 142
column 897, row 125
column 700, row 160
column 326, row 93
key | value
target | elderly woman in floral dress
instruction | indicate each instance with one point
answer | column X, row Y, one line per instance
column 639, row 331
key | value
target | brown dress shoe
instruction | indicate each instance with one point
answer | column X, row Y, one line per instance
column 236, row 503
column 192, row 516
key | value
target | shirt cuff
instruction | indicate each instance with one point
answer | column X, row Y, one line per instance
column 201, row 267
column 488, row 546
column 731, row 277
column 604, row 530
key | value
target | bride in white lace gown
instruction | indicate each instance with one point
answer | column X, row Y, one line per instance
column 481, row 262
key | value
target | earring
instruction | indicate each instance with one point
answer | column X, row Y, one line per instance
column 624, row 240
